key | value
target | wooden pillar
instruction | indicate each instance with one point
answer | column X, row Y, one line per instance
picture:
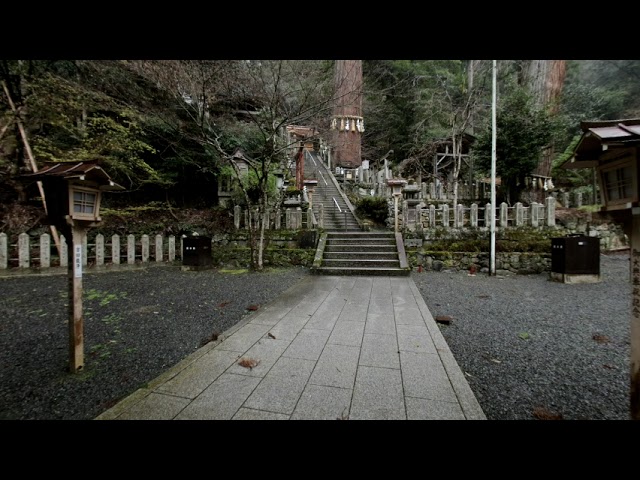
column 634, row 238
column 76, row 324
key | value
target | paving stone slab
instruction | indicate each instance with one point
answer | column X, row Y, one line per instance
column 423, row 376
column 250, row 414
column 266, row 352
column 222, row 399
column 422, row 409
column 336, row 367
column 323, row 403
column 243, row 339
column 378, row 395
column 308, row 344
column 379, row 351
column 347, row 333
column 382, row 323
column 155, row 406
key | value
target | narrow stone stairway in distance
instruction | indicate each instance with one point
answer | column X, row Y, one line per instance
column 344, row 248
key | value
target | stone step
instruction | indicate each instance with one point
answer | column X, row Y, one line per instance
column 372, row 243
column 360, row 255
column 365, row 235
column 369, row 271
column 363, row 247
column 360, row 263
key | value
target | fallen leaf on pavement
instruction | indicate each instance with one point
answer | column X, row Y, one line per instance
column 248, row 363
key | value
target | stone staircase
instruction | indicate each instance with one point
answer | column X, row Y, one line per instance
column 360, row 253
column 329, row 206
column 344, row 248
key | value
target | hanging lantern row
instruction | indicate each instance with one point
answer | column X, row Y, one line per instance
column 346, row 123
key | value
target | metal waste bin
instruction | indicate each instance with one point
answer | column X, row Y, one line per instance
column 575, row 255
column 196, row 251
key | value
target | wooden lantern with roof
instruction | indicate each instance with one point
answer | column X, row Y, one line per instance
column 73, row 191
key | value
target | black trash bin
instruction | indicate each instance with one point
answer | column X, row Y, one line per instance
column 575, row 257
column 196, row 252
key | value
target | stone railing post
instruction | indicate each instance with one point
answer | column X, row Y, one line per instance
column 145, row 248
column 99, row 249
column 159, row 247
column 432, row 190
column 535, row 214
column 445, row 216
column 115, row 249
column 172, row 248
column 131, row 249
column 474, row 215
column 578, row 196
column 459, row 216
column 432, row 215
column 321, row 214
column 4, row 252
column 551, row 211
column 565, row 199
column 23, row 250
column 45, row 250
column 504, row 215
column 519, row 214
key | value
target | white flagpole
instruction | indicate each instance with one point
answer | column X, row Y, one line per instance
column 493, row 173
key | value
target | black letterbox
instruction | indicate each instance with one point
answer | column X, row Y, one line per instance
column 575, row 254
column 196, row 251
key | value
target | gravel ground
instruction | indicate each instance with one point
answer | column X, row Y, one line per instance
column 137, row 324
column 531, row 348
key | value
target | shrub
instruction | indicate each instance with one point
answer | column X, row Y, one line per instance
column 373, row 208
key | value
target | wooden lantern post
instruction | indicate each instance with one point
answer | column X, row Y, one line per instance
column 74, row 191
column 612, row 149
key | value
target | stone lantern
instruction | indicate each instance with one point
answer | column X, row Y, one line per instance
column 396, row 184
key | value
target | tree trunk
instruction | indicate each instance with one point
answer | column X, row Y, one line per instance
column 545, row 80
column 31, row 159
column 348, row 94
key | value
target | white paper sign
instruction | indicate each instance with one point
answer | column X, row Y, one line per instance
column 77, row 262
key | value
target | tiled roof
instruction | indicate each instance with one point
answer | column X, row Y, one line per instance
column 89, row 170
column 600, row 136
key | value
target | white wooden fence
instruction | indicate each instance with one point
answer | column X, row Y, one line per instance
column 43, row 254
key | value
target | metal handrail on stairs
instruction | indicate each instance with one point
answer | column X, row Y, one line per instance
column 340, row 210
column 324, row 179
